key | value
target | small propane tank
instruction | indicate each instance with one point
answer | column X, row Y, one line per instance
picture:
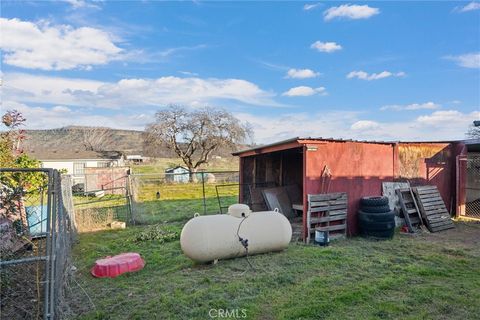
column 321, row 238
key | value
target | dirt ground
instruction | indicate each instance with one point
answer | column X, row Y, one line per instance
column 465, row 235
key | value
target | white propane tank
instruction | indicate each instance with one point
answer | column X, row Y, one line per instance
column 207, row 238
column 238, row 209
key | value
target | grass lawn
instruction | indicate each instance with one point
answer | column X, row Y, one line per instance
column 431, row 276
column 160, row 164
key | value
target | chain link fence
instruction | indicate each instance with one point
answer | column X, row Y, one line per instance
column 37, row 228
column 157, row 198
column 472, row 206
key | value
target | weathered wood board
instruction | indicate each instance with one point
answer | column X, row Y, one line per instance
column 432, row 208
column 327, row 212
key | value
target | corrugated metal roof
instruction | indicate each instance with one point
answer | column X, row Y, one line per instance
column 334, row 140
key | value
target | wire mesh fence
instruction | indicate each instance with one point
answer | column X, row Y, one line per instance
column 472, row 206
column 177, row 196
column 37, row 230
column 103, row 198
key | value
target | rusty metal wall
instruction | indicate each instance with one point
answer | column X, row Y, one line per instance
column 356, row 168
column 429, row 163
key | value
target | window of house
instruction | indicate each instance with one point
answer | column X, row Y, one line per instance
column 78, row 168
column 103, row 164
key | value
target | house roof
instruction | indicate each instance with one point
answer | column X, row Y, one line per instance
column 171, row 169
column 299, row 141
column 46, row 155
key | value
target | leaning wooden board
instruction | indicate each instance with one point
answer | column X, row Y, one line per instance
column 432, row 208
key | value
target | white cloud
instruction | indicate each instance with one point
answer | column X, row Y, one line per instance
column 365, row 125
column 310, row 6
column 191, row 91
column 61, row 116
column 468, row 60
column 350, row 11
column 414, row 106
column 374, row 76
column 77, row 4
column 326, row 46
column 469, row 7
column 55, row 47
column 305, row 91
column 301, row 74
column 437, row 126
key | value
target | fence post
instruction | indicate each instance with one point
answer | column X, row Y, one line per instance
column 129, row 196
column 203, row 191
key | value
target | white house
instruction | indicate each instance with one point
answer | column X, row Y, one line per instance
column 75, row 162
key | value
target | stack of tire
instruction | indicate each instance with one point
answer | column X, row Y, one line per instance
column 375, row 218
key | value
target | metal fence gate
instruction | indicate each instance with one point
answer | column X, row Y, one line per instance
column 37, row 229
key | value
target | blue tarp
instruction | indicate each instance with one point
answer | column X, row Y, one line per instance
column 37, row 219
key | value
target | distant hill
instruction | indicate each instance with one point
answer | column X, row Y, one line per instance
column 71, row 138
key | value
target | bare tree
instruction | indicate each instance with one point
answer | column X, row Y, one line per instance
column 473, row 132
column 96, row 138
column 193, row 136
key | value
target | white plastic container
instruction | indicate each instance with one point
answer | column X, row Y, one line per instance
column 208, row 238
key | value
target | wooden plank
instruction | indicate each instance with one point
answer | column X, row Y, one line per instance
column 431, row 199
column 328, row 219
column 332, row 228
column 327, row 196
column 440, row 204
column 425, row 192
column 298, row 207
column 436, row 211
column 330, row 208
column 327, row 203
column 426, row 187
column 337, row 212
column 405, row 211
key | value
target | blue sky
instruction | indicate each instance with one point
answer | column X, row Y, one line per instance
column 367, row 70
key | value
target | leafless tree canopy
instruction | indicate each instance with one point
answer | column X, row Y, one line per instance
column 193, row 136
column 473, row 132
column 96, row 138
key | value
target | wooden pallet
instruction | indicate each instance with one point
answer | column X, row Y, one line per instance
column 327, row 212
column 409, row 208
column 432, row 208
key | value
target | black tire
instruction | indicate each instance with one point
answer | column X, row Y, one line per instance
column 377, row 226
column 374, row 201
column 387, row 234
column 376, row 217
column 376, row 209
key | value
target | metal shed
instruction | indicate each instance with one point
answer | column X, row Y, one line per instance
column 355, row 167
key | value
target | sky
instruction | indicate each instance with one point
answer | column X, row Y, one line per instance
column 380, row 70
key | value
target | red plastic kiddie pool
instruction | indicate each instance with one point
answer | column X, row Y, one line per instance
column 111, row 267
